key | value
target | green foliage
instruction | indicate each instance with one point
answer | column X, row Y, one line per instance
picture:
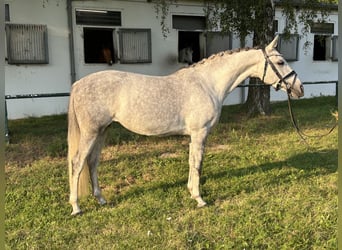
column 247, row 17
column 251, row 17
column 304, row 14
column 265, row 188
column 162, row 10
column 239, row 17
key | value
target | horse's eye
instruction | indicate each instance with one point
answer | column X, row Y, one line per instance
column 281, row 63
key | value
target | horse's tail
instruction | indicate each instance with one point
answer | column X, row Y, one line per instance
column 73, row 144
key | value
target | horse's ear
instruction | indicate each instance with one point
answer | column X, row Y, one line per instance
column 273, row 44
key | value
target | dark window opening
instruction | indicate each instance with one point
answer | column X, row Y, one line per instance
column 98, row 45
column 7, row 12
column 320, row 48
column 275, row 26
column 190, row 39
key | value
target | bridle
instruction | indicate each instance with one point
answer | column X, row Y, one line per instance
column 282, row 79
column 277, row 86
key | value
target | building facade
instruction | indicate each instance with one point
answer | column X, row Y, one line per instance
column 50, row 44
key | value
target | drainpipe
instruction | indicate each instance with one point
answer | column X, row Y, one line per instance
column 71, row 42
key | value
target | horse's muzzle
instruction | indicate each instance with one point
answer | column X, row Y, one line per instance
column 297, row 90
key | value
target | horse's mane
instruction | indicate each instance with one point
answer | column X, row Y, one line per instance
column 222, row 53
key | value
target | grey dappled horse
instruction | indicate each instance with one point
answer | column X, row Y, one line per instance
column 185, row 55
column 187, row 102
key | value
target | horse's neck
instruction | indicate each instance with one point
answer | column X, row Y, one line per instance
column 225, row 72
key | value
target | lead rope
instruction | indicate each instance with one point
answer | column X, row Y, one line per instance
column 301, row 133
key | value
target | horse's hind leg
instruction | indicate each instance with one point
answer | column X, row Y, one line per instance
column 93, row 161
column 85, row 146
column 195, row 165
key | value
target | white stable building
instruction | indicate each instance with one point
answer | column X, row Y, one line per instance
column 50, row 44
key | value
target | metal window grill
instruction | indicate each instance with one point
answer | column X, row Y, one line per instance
column 27, row 44
column 135, row 46
column 335, row 52
column 98, row 17
column 289, row 47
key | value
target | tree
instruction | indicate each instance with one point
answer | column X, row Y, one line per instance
column 256, row 18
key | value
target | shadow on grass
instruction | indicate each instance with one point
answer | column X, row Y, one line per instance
column 299, row 167
column 293, row 170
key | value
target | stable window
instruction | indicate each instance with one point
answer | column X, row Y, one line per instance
column 190, row 34
column 7, row 12
column 275, row 26
column 322, row 40
column 135, row 46
column 98, row 17
column 335, row 52
column 98, row 45
column 321, row 48
column 190, row 39
column 27, row 44
column 289, row 47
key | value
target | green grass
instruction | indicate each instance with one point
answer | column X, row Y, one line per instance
column 264, row 187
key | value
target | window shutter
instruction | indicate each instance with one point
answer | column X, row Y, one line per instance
column 181, row 22
column 98, row 17
column 289, row 47
column 27, row 43
column 335, row 52
column 217, row 43
column 135, row 46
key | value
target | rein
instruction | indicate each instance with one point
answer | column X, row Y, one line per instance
column 299, row 131
column 282, row 79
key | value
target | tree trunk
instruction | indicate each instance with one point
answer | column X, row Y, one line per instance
column 258, row 99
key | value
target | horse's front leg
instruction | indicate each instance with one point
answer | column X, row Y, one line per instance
column 195, row 164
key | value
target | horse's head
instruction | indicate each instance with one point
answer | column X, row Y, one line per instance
column 278, row 73
column 185, row 55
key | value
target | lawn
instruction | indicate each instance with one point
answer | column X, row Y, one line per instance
column 265, row 188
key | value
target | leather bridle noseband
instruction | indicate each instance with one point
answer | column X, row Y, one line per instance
column 282, row 79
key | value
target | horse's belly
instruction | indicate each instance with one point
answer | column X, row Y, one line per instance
column 144, row 120
column 154, row 126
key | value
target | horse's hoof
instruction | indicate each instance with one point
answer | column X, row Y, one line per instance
column 102, row 202
column 201, row 204
column 75, row 213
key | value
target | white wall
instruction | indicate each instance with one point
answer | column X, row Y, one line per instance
column 46, row 78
